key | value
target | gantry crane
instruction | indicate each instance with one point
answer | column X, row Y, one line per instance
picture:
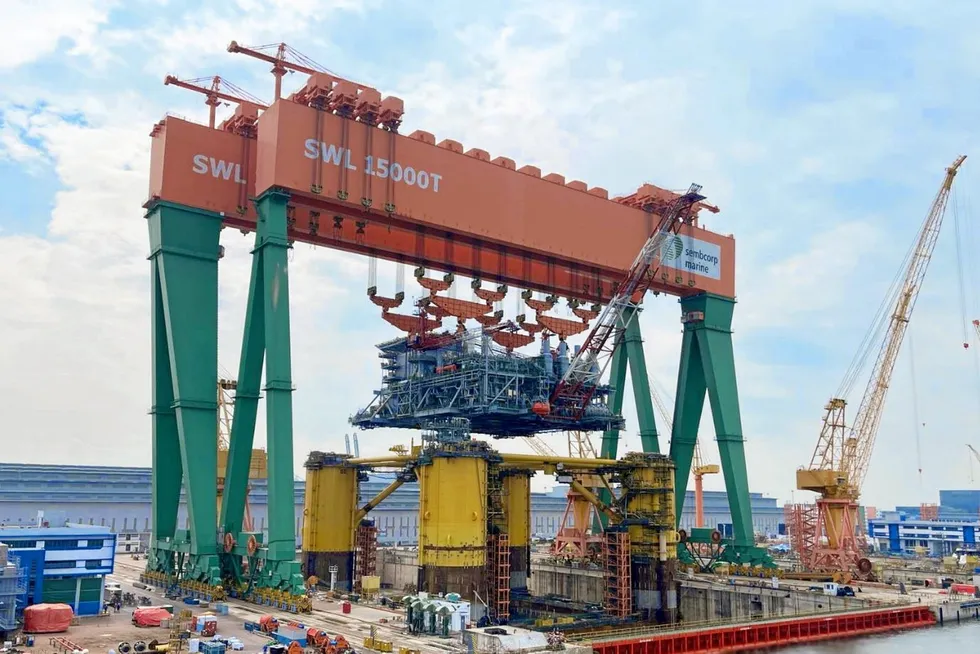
column 577, row 386
column 699, row 469
column 841, row 457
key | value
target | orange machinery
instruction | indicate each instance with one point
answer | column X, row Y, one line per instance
column 356, row 184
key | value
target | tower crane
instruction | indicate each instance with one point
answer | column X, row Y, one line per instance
column 286, row 59
column 217, row 89
column 841, row 457
column 699, row 469
column 577, row 386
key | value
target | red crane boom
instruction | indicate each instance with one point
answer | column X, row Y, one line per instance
column 218, row 89
column 286, row 60
column 578, row 384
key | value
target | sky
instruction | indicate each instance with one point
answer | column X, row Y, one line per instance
column 821, row 130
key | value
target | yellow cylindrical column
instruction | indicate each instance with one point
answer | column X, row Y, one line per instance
column 517, row 491
column 649, row 488
column 452, row 522
column 328, row 517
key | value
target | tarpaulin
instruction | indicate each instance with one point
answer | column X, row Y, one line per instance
column 47, row 618
column 150, row 616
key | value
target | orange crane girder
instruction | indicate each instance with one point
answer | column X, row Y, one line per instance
column 405, row 198
column 462, row 309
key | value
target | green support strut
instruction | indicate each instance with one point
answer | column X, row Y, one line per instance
column 707, row 365
column 267, row 334
column 184, row 286
column 640, row 380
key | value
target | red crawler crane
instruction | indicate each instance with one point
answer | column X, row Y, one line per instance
column 573, row 392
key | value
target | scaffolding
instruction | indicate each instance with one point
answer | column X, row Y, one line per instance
column 13, row 584
column 497, row 566
column 498, row 575
column 801, row 521
column 365, row 553
column 616, row 557
column 928, row 512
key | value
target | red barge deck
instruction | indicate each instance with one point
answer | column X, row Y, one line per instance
column 773, row 633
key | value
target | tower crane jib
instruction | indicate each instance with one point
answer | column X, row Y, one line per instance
column 868, row 417
column 840, row 460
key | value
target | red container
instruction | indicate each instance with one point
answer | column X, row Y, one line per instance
column 345, row 607
column 963, row 589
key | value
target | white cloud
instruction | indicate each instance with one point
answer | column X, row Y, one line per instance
column 539, row 85
column 38, row 28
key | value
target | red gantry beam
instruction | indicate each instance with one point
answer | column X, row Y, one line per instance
column 359, row 187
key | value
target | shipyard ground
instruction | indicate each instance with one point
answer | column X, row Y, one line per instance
column 737, row 600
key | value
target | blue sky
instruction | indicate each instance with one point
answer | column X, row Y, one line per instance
column 821, row 129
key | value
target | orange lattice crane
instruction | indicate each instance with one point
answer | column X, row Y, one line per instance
column 285, row 59
column 217, row 89
column 841, row 457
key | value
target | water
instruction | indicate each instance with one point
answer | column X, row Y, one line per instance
column 950, row 638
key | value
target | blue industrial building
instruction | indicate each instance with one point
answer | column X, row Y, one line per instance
column 118, row 500
column 956, row 529
column 62, row 564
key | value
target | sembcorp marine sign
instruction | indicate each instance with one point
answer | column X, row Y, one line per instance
column 691, row 255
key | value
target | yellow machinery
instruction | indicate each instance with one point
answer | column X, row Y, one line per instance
column 648, row 486
column 474, row 520
column 328, row 518
column 517, row 495
column 453, row 519
column 841, row 457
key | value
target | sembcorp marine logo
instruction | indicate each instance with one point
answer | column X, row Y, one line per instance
column 671, row 249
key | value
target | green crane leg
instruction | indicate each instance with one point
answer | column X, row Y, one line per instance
column 689, row 404
column 184, row 258
column 641, row 383
column 610, row 438
column 167, row 471
column 274, row 244
column 242, row 437
column 617, row 380
column 267, row 335
column 708, row 364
